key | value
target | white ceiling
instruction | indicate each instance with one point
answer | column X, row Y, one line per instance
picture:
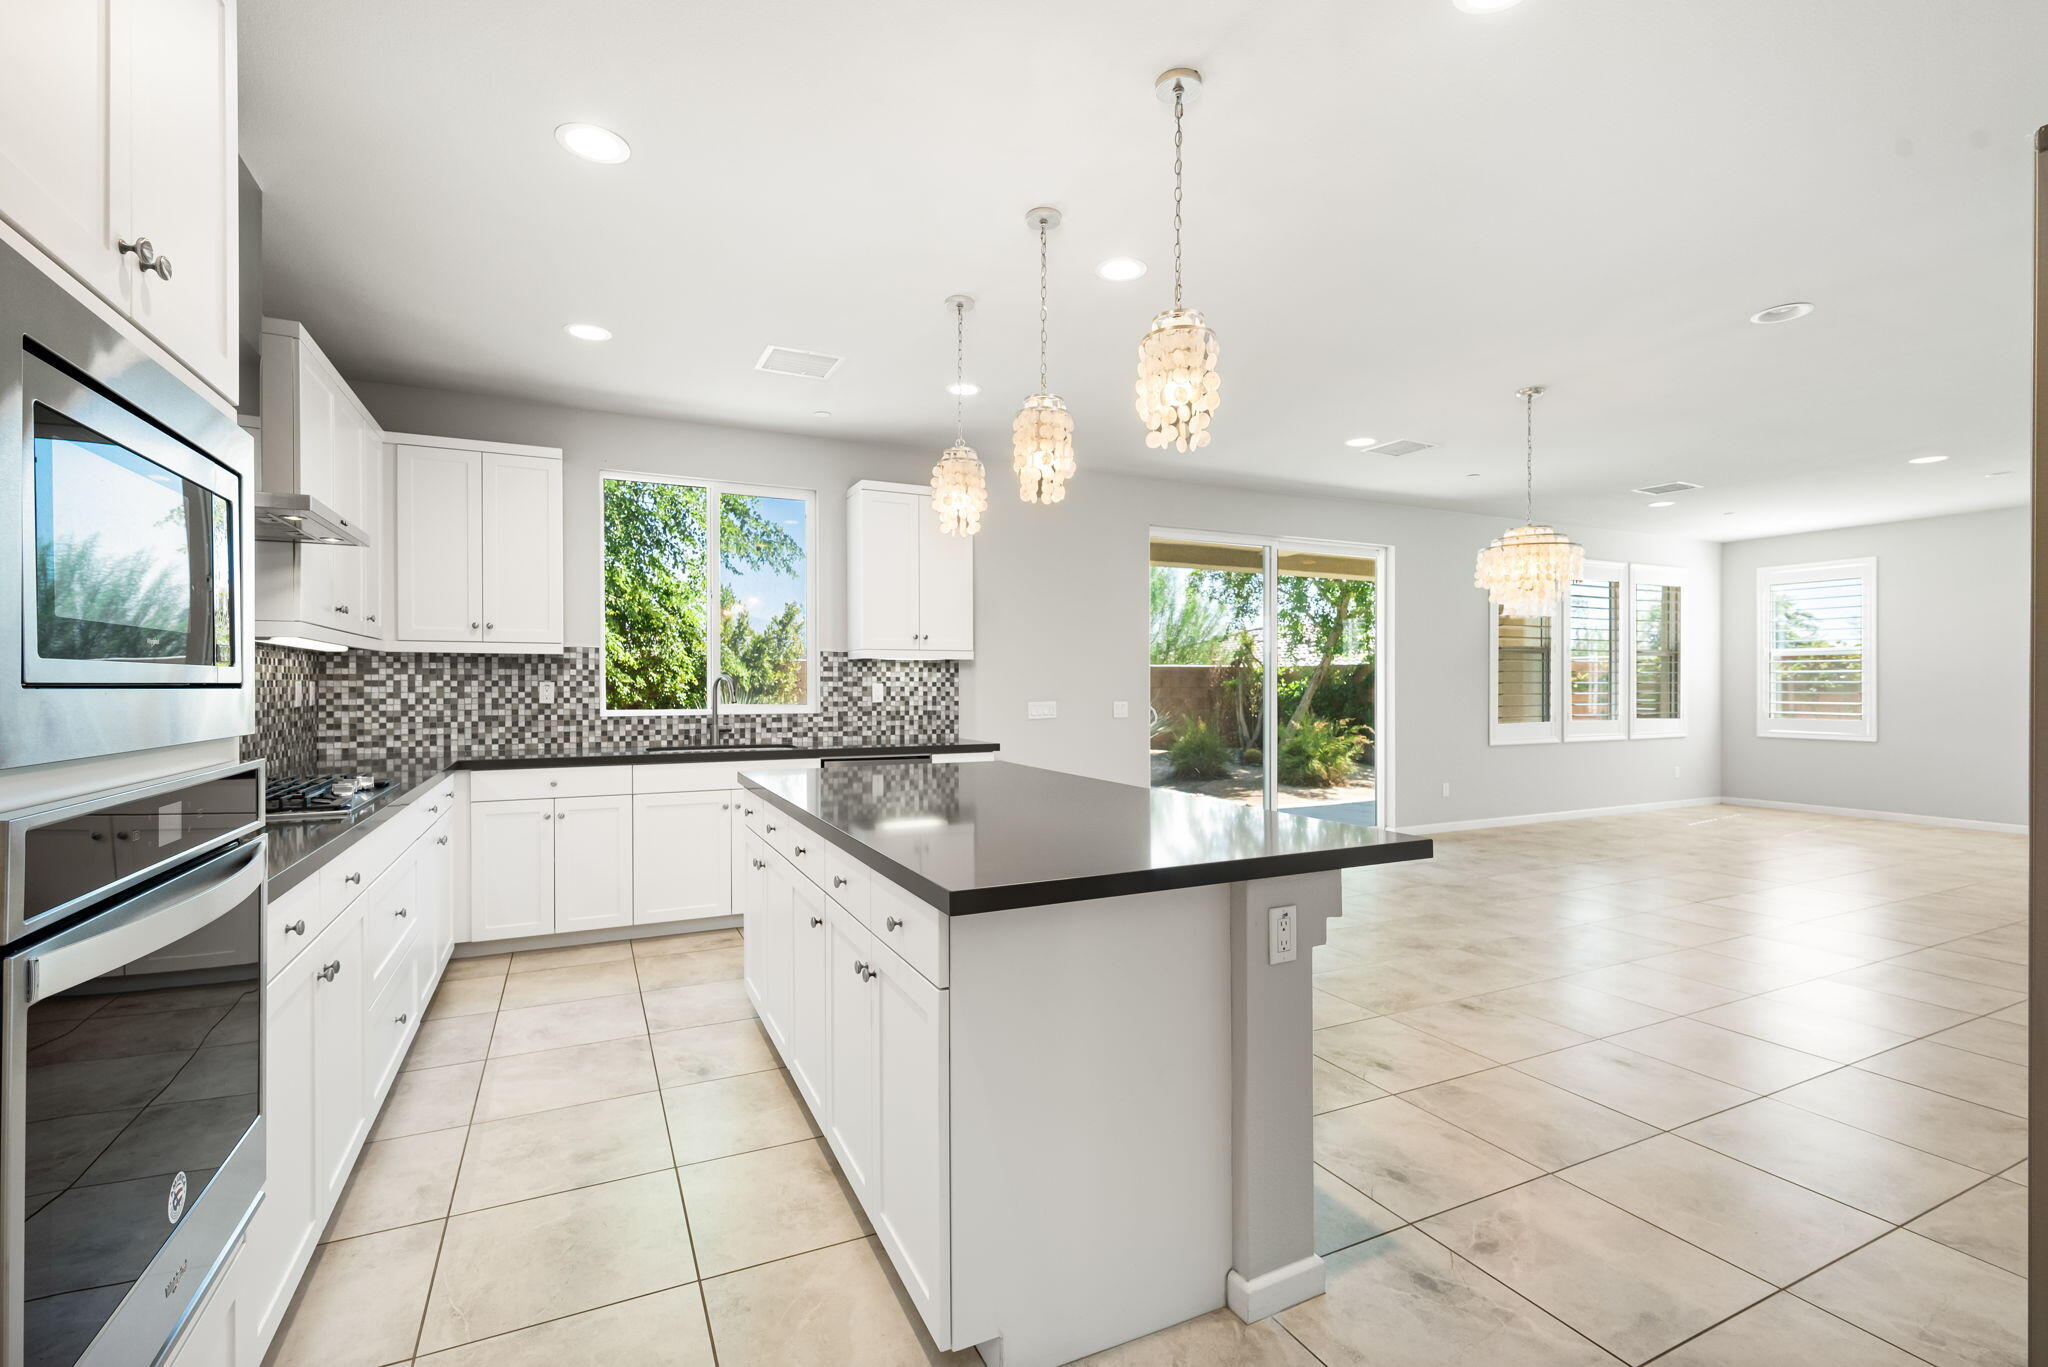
column 1398, row 213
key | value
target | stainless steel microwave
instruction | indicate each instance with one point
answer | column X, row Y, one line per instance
column 124, row 576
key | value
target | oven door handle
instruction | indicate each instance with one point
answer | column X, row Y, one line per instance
column 146, row 922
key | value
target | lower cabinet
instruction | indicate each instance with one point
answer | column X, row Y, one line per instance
column 852, row 1055
column 594, row 841
column 539, row 866
column 682, row 856
column 810, row 950
column 912, row 1155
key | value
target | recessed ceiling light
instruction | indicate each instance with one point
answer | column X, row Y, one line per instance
column 821, row 412
column 1781, row 313
column 1997, row 474
column 587, row 332
column 964, row 389
column 1926, row 460
column 1362, row 441
column 592, row 143
column 1121, row 268
column 1662, row 503
column 1485, row 6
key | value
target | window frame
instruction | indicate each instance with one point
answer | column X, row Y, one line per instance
column 1663, row 576
column 1622, row 629
column 1770, row 727
column 714, row 626
column 1500, row 732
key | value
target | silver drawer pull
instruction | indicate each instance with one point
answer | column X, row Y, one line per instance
column 403, row 1017
column 771, row 828
column 353, row 878
column 869, row 973
column 442, row 841
column 749, row 811
column 860, row 970
column 297, row 927
column 801, row 851
column 435, row 808
column 837, row 881
column 401, row 911
column 893, row 922
column 330, row 972
column 817, row 921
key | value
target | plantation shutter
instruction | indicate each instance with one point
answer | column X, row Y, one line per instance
column 1656, row 646
column 1818, row 650
column 1523, row 682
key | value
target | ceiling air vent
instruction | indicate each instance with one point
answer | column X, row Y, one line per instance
column 1676, row 486
column 1403, row 447
column 809, row 365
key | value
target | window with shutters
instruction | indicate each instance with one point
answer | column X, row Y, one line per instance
column 1524, row 685
column 1657, row 603
column 1817, row 650
column 1595, row 644
column 1608, row 665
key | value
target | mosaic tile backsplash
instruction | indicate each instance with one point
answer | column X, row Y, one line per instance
column 316, row 712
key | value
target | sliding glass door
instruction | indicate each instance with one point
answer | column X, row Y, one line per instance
column 1265, row 658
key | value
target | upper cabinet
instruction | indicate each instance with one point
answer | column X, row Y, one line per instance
column 909, row 586
column 318, row 439
column 477, row 543
column 118, row 159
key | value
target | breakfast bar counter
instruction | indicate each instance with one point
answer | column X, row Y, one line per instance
column 1056, row 1032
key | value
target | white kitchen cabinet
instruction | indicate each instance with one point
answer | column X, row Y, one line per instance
column 809, row 954
column 852, row 1060
column 437, row 885
column 594, row 874
column 511, row 868
column 117, row 124
column 909, row 586
column 770, row 920
column 339, row 975
column 912, row 1209
column 682, row 856
column 477, row 555
column 750, row 900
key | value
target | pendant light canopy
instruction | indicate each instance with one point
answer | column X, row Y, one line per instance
column 1178, row 387
column 1043, row 434
column 1526, row 569
column 959, row 486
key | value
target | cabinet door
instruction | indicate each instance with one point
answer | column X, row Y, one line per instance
column 368, row 613
column 511, row 869
column 682, row 856
column 287, row 1221
column 778, row 887
column 180, row 169
column 911, row 1200
column 57, row 136
column 437, row 887
column 945, row 590
column 851, row 1062
column 750, row 900
column 439, row 538
column 882, row 580
column 340, row 1112
column 809, row 949
column 522, row 562
column 594, row 841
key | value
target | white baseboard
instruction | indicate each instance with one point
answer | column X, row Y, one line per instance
column 1269, row 1293
column 1911, row 818
column 479, row 949
column 1535, row 817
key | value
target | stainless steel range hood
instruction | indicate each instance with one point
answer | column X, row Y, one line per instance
column 305, row 519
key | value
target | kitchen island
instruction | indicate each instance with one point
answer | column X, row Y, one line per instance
column 1056, row 1032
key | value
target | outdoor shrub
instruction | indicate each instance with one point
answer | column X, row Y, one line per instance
column 1199, row 752
column 1254, row 755
column 1318, row 752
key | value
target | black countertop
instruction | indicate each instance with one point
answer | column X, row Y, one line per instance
column 298, row 849
column 985, row 837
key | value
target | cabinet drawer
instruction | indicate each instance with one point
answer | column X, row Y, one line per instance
column 692, row 776
column 847, row 881
column 293, row 922
column 914, row 929
column 391, row 910
column 389, row 1025
column 352, row 871
column 802, row 847
column 569, row 780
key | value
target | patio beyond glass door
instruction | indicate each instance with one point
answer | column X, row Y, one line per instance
column 1265, row 673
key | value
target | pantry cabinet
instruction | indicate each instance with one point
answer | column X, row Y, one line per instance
column 909, row 586
column 117, row 129
column 477, row 550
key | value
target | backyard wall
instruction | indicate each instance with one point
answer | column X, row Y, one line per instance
column 1952, row 627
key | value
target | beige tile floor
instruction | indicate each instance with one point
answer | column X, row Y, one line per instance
column 1704, row 1087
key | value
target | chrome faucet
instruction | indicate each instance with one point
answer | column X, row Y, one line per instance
column 721, row 684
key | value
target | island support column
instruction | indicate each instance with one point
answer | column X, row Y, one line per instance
column 1274, row 1263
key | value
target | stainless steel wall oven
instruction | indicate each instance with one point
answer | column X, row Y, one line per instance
column 131, row 1133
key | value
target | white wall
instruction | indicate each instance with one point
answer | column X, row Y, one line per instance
column 1061, row 613
column 594, row 442
column 1952, row 626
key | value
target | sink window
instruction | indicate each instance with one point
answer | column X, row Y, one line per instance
column 703, row 579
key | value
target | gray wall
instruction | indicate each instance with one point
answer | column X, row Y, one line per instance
column 1952, row 625
column 1060, row 614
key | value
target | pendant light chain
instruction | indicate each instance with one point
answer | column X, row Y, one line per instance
column 1529, row 455
column 959, row 374
column 1042, row 385
column 1178, row 108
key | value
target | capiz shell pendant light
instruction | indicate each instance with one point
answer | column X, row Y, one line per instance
column 1178, row 387
column 1526, row 569
column 959, row 487
column 1043, row 434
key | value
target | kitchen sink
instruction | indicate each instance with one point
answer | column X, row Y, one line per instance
column 716, row 749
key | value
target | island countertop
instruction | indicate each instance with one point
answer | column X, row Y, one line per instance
column 987, row 837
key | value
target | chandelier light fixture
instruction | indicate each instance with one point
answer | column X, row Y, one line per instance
column 1526, row 569
column 1043, row 434
column 959, row 486
column 1178, row 387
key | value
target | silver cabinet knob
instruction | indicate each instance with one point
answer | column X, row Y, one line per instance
column 868, row 973
column 371, row 617
column 490, row 626
column 747, row 811
column 297, row 927
column 442, row 841
column 817, row 921
column 860, row 970
column 837, row 881
column 801, row 851
column 554, row 783
column 341, row 608
column 332, row 971
column 403, row 1017
column 146, row 257
column 771, row 828
column 353, row 878
column 433, row 809
column 401, row 912
column 893, row 922
column 474, row 625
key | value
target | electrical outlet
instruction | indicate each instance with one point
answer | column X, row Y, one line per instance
column 1447, row 790
column 547, row 691
column 1119, row 709
column 1041, row 711
column 1280, row 941
column 875, row 691
column 1674, row 771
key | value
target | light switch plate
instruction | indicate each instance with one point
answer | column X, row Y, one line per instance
column 1041, row 711
column 1119, row 709
column 547, row 691
column 1282, row 924
column 875, row 691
